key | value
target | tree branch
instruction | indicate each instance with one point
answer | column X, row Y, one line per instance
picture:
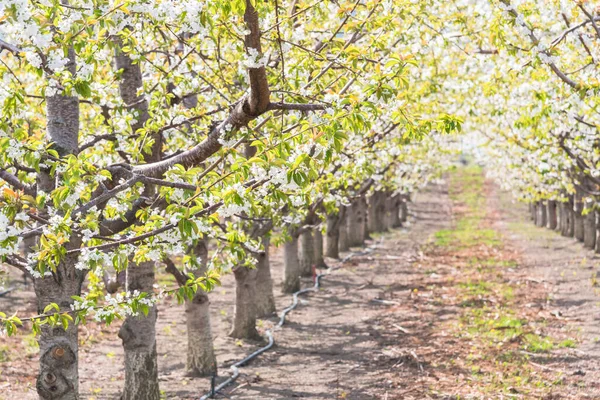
column 295, row 107
column 591, row 18
column 10, row 47
column 171, row 268
column 13, row 181
column 97, row 139
column 536, row 42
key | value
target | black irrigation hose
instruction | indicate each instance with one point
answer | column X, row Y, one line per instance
column 235, row 372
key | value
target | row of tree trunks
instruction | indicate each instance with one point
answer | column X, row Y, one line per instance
column 571, row 218
column 349, row 227
column 304, row 251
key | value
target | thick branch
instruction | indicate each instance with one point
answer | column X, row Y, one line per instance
column 10, row 47
column 171, row 268
column 259, row 85
column 13, row 181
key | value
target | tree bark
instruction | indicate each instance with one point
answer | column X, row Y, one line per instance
column 344, row 240
column 530, row 209
column 578, row 217
column 58, row 377
column 138, row 334
column 377, row 211
column 356, row 222
column 404, row 208
column 589, row 226
column 332, row 248
column 552, row 218
column 291, row 275
column 366, row 235
column 394, row 211
column 536, row 214
column 318, row 240
column 244, row 316
column 542, row 215
column 534, row 211
column 265, row 301
column 381, row 212
column 201, row 359
column 307, row 253
column 372, row 204
column 565, row 218
column 570, row 218
column 561, row 217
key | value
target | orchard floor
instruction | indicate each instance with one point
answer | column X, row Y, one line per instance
column 469, row 301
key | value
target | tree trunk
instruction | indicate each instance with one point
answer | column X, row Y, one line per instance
column 58, row 377
column 244, row 316
column 552, row 218
column 307, row 253
column 364, row 204
column 578, row 217
column 265, row 301
column 530, row 208
column 291, row 275
column 372, row 205
column 138, row 334
column 318, row 240
column 543, row 216
column 536, row 214
column 381, row 212
column 395, row 206
column 565, row 218
column 561, row 217
column 201, row 359
column 404, row 208
column 333, row 235
column 589, row 226
column 570, row 218
column 377, row 209
column 353, row 224
column 356, row 222
column 344, row 240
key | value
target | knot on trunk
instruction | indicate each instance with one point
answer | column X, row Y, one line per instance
column 56, row 361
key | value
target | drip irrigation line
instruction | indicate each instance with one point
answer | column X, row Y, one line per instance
column 235, row 368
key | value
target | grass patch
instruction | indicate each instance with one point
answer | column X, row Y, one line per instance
column 496, row 332
column 467, row 192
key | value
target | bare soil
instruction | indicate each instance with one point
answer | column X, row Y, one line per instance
column 409, row 320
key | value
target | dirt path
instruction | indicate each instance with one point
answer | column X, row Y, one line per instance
column 471, row 301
